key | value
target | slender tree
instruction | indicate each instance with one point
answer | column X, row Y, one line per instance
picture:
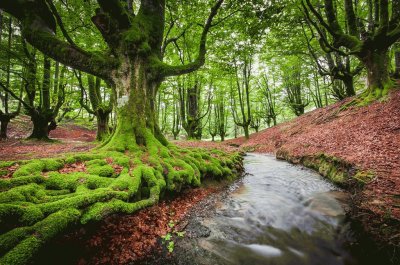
column 243, row 96
column 99, row 108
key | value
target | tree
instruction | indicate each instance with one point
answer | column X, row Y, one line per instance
column 243, row 94
column 6, row 115
column 293, row 84
column 270, row 102
column 133, row 64
column 335, row 65
column 98, row 108
column 369, row 43
column 131, row 61
column 191, row 106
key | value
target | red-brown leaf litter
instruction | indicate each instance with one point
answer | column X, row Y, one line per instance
column 70, row 138
column 366, row 137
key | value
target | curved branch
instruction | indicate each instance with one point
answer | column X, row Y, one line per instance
column 39, row 26
column 167, row 70
column 16, row 97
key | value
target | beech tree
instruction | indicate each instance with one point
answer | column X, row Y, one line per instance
column 98, row 108
column 132, row 64
column 369, row 34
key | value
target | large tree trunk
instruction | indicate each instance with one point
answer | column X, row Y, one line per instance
column 40, row 127
column 349, row 85
column 103, row 130
column 4, row 119
column 137, row 123
column 376, row 64
column 246, row 131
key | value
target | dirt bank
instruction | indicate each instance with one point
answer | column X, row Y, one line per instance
column 350, row 139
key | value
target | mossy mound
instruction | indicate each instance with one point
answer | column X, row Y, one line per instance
column 41, row 199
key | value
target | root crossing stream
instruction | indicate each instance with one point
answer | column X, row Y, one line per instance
column 278, row 214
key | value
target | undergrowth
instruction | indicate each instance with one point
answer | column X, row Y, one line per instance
column 42, row 200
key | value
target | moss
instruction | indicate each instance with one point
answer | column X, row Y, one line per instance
column 364, row 177
column 53, row 164
column 5, row 164
column 41, row 233
column 34, row 166
column 102, row 171
column 34, row 206
column 96, row 162
column 28, row 193
column 10, row 183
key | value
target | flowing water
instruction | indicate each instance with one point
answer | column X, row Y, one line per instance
column 278, row 214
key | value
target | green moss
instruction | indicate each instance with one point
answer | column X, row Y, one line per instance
column 5, row 164
column 41, row 206
column 102, row 171
column 96, row 162
column 34, row 166
column 364, row 176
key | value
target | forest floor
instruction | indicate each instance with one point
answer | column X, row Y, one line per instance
column 67, row 138
column 367, row 137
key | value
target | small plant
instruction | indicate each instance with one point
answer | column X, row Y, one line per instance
column 168, row 238
column 171, row 246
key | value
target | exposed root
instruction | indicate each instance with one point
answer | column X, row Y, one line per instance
column 44, row 197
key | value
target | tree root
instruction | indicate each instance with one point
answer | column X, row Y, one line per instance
column 41, row 200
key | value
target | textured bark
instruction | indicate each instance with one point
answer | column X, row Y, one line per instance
column 4, row 119
column 40, row 127
column 376, row 64
column 133, row 63
column 397, row 64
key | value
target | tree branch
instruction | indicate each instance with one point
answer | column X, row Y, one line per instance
column 168, row 70
column 5, row 88
column 39, row 26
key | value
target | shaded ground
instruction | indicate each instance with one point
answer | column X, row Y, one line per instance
column 69, row 138
column 366, row 137
column 127, row 239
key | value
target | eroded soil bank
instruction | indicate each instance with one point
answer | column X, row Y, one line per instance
column 357, row 148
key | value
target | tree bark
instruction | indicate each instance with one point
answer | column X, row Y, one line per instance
column 349, row 85
column 246, row 131
column 103, row 130
column 397, row 64
column 40, row 127
column 137, row 123
column 376, row 64
column 4, row 125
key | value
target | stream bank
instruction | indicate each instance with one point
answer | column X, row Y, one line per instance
column 358, row 148
column 277, row 214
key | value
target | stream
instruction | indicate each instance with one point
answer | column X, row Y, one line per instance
column 277, row 214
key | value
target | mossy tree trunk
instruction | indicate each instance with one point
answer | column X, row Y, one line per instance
column 377, row 66
column 41, row 128
column 348, row 82
column 134, row 66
